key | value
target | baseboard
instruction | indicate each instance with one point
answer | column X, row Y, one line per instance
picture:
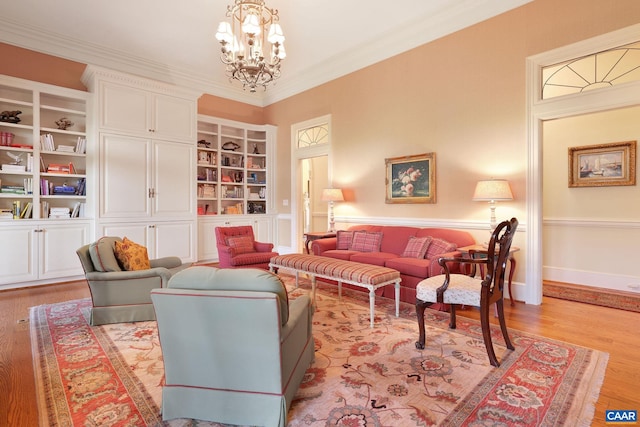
column 591, row 295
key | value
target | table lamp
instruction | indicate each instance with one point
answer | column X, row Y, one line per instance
column 492, row 190
column 332, row 195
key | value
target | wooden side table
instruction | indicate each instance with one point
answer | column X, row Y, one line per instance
column 310, row 237
column 512, row 263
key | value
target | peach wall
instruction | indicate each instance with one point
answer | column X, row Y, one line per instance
column 215, row 106
column 39, row 67
column 30, row 65
column 462, row 97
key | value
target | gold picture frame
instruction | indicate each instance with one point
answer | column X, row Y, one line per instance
column 411, row 179
column 603, row 165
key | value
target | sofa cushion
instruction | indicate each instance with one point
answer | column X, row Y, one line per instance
column 439, row 246
column 373, row 258
column 410, row 266
column 131, row 255
column 102, row 254
column 344, row 239
column 241, row 244
column 364, row 241
column 339, row 254
column 416, row 247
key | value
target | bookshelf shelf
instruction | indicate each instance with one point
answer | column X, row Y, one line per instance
column 236, row 156
column 41, row 107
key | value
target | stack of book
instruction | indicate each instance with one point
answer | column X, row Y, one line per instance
column 66, row 148
column 78, row 210
column 59, row 213
column 13, row 168
column 26, row 211
column 81, row 145
column 46, row 142
column 60, row 168
column 6, row 214
column 13, row 189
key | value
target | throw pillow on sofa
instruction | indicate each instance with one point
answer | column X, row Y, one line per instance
column 344, row 239
column 241, row 244
column 131, row 255
column 416, row 247
column 364, row 241
column 439, row 246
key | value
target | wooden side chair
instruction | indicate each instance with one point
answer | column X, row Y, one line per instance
column 464, row 289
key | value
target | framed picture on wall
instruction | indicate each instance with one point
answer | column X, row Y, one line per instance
column 603, row 165
column 411, row 179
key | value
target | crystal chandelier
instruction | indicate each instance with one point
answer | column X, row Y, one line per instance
column 250, row 57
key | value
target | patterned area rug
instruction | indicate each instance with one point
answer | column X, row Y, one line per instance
column 112, row 375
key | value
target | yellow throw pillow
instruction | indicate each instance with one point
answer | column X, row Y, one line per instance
column 131, row 255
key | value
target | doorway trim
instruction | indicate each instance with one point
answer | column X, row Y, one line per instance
column 297, row 155
column 538, row 111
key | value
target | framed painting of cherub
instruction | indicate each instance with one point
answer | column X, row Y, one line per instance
column 411, row 179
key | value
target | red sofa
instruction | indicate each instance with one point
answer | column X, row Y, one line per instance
column 393, row 244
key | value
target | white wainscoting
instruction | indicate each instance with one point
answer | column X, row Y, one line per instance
column 592, row 252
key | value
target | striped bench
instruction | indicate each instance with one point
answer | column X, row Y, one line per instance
column 366, row 276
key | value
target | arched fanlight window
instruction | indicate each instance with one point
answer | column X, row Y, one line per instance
column 603, row 69
column 313, row 136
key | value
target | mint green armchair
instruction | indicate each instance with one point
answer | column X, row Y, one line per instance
column 235, row 349
column 119, row 296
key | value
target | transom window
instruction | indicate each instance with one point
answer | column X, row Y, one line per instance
column 603, row 69
column 313, row 136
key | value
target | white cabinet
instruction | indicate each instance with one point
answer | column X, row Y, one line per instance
column 40, row 251
column 172, row 238
column 125, row 108
column 144, row 178
column 147, row 161
column 44, row 158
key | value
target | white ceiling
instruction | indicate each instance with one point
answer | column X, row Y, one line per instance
column 175, row 41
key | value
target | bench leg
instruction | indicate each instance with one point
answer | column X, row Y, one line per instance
column 313, row 291
column 372, row 304
column 397, row 299
column 339, row 290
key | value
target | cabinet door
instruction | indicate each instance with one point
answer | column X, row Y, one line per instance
column 175, row 238
column 136, row 232
column 173, row 179
column 263, row 230
column 125, row 177
column 57, row 249
column 125, row 109
column 207, row 248
column 174, row 118
column 18, row 254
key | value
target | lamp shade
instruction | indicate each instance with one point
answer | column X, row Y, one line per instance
column 332, row 195
column 492, row 189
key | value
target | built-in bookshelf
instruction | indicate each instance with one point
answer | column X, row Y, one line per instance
column 233, row 167
column 42, row 150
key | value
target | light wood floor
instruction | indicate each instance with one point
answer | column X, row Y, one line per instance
column 614, row 331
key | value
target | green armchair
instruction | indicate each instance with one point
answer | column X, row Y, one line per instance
column 235, row 350
column 117, row 295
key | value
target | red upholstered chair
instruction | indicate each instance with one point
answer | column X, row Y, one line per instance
column 237, row 248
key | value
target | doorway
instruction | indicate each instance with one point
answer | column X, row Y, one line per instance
column 311, row 172
column 541, row 110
